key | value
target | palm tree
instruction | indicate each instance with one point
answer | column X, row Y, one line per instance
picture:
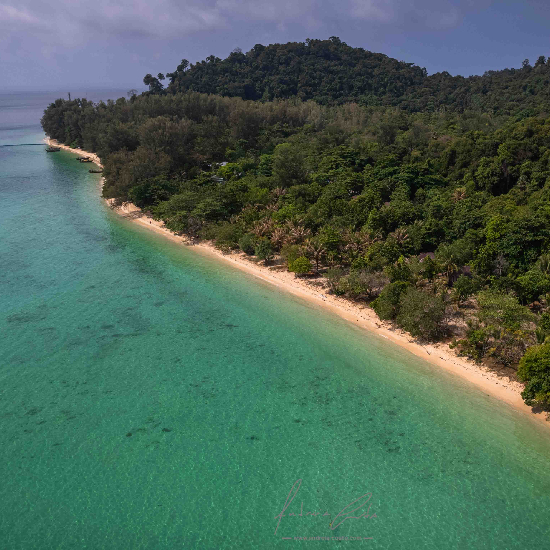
column 450, row 268
column 355, row 243
column 400, row 235
column 459, row 194
column 446, row 259
column 263, row 227
column 278, row 237
column 315, row 249
column 296, row 233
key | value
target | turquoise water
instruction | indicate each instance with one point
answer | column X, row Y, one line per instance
column 151, row 397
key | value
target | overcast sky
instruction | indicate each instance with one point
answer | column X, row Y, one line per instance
column 114, row 43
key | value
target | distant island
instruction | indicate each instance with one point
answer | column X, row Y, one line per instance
column 425, row 197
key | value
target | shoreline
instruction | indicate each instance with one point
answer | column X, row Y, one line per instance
column 80, row 152
column 438, row 354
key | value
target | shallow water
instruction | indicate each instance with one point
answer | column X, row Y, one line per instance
column 152, row 397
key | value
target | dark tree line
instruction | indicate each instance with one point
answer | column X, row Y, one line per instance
column 331, row 72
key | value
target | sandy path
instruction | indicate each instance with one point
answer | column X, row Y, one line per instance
column 362, row 316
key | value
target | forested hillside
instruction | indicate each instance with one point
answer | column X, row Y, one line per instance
column 331, row 72
column 327, row 71
column 440, row 220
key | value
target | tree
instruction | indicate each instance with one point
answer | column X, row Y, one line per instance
column 155, row 86
column 422, row 314
column 247, row 243
column 387, row 304
column 300, row 266
column 502, row 328
column 183, row 66
column 315, row 249
column 334, row 275
column 533, row 284
column 288, row 165
column 500, row 310
column 447, row 260
column 226, row 236
column 430, row 269
column 152, row 191
column 263, row 249
column 362, row 283
column 399, row 271
column 534, row 370
column 289, row 252
column 464, row 287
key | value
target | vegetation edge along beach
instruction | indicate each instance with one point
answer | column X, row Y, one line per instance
column 425, row 198
column 441, row 355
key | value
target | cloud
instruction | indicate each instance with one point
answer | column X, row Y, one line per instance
column 267, row 10
column 68, row 22
column 373, row 10
column 422, row 13
column 76, row 21
column 12, row 15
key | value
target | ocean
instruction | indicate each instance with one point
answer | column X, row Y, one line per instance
column 155, row 398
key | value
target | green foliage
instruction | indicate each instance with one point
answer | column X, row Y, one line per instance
column 334, row 275
column 288, row 165
column 152, row 191
column 399, row 271
column 464, row 287
column 533, row 284
column 499, row 311
column 534, row 370
column 476, row 343
column 331, row 238
column 300, row 266
column 422, row 314
column 430, row 268
column 265, row 167
column 289, row 253
column 544, row 321
column 247, row 243
column 230, row 170
column 226, row 236
column 305, row 70
column 264, row 250
column 501, row 329
column 362, row 283
column 330, row 71
column 387, row 305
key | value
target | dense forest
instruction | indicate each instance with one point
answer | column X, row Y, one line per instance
column 331, row 72
column 439, row 219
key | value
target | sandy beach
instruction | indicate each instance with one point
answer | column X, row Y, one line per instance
column 360, row 315
column 78, row 152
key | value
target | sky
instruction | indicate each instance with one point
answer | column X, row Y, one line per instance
column 113, row 43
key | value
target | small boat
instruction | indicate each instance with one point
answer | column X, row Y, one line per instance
column 95, row 171
column 85, row 159
column 52, row 149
